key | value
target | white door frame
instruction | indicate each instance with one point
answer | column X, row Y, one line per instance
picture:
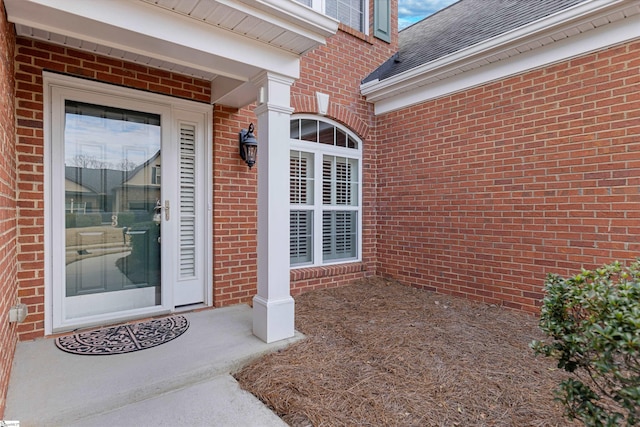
column 56, row 87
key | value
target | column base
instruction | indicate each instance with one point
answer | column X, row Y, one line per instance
column 273, row 320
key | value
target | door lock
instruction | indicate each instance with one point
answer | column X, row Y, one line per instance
column 166, row 210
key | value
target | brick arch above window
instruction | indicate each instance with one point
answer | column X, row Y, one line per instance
column 340, row 113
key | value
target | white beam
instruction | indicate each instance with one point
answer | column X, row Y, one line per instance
column 291, row 15
column 152, row 31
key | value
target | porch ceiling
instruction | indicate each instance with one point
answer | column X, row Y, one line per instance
column 227, row 42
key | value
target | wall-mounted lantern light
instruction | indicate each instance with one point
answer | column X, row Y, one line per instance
column 248, row 146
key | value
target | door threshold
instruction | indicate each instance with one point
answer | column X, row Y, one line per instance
column 191, row 307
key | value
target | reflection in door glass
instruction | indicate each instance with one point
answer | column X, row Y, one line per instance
column 112, row 226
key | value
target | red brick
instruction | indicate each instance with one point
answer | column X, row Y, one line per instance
column 8, row 184
column 469, row 236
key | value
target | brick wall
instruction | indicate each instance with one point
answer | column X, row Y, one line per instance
column 32, row 57
column 337, row 69
column 8, row 267
column 235, row 193
column 484, row 192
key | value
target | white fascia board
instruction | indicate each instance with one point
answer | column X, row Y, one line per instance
column 152, row 31
column 412, row 87
column 294, row 16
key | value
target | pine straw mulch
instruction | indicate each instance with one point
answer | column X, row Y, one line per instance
column 378, row 353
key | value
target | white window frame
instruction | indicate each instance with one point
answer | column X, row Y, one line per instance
column 320, row 6
column 318, row 151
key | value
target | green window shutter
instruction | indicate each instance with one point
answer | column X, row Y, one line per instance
column 382, row 20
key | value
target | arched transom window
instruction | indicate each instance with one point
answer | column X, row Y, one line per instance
column 325, row 170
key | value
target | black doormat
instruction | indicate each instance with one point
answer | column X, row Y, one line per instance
column 124, row 338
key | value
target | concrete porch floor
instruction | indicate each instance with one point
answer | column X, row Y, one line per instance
column 185, row 382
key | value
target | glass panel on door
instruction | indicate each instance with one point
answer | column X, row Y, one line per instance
column 112, row 209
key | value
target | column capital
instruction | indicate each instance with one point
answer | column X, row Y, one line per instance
column 267, row 107
column 274, row 92
column 265, row 77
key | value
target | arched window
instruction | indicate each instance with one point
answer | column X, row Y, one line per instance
column 325, row 170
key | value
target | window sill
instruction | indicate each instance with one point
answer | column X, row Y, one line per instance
column 306, row 273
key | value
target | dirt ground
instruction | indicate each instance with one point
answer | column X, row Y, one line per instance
column 381, row 354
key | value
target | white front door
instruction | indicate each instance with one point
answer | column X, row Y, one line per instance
column 128, row 215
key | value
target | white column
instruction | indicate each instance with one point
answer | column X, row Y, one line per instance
column 273, row 306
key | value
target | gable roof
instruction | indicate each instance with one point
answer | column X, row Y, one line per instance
column 474, row 42
column 140, row 168
column 461, row 25
column 100, row 181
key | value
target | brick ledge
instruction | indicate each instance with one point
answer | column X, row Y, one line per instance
column 325, row 271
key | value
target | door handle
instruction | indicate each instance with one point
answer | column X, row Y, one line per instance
column 158, row 211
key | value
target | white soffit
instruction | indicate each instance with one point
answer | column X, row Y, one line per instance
column 206, row 39
column 578, row 30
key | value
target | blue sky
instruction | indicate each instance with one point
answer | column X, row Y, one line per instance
column 411, row 11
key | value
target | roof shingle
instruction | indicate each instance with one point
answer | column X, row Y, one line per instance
column 461, row 25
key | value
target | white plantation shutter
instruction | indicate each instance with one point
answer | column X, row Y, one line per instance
column 338, row 235
column 349, row 12
column 339, row 188
column 339, row 181
column 187, row 212
column 300, row 178
column 326, row 181
column 300, row 240
column 300, row 221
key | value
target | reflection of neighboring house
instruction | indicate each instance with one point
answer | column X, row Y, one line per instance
column 141, row 189
column 78, row 197
column 92, row 188
column 110, row 190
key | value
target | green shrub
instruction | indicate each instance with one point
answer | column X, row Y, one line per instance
column 592, row 322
